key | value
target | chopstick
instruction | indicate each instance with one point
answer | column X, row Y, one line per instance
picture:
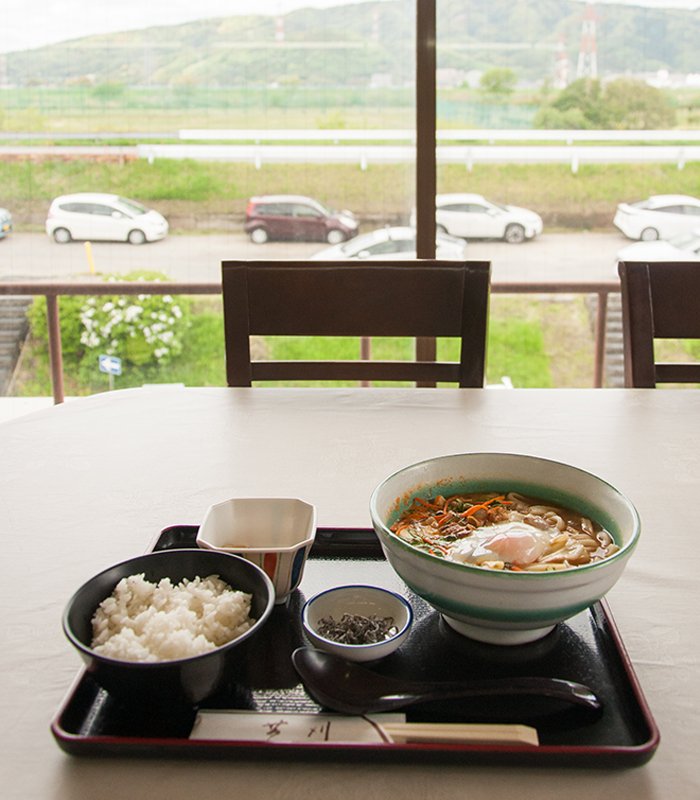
column 464, row 733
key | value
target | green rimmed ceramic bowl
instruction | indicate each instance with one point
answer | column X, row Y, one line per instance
column 503, row 607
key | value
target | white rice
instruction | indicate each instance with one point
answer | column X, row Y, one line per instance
column 143, row 621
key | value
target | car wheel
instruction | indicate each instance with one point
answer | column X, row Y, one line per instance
column 136, row 237
column 649, row 235
column 62, row 235
column 335, row 236
column 515, row 234
column 259, row 236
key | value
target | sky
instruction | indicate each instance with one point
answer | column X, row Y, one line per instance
column 33, row 23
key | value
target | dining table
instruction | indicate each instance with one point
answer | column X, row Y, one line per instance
column 93, row 481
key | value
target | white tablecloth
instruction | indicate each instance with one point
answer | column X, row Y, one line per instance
column 91, row 482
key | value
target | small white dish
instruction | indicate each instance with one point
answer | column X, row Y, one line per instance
column 275, row 533
column 359, row 600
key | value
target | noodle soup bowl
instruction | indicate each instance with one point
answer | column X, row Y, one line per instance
column 501, row 606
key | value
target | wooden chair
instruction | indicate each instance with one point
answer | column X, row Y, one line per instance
column 423, row 298
column 660, row 300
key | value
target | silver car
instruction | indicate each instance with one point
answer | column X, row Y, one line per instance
column 390, row 243
column 684, row 247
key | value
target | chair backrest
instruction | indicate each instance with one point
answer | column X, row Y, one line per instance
column 425, row 298
column 660, row 300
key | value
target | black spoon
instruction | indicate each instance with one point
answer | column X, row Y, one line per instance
column 352, row 689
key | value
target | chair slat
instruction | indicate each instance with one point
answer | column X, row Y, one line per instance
column 355, row 371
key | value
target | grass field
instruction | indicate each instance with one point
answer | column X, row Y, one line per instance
column 193, row 194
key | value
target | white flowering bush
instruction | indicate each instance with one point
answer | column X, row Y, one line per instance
column 145, row 331
column 140, row 329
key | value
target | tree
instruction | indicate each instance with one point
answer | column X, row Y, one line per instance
column 549, row 118
column 585, row 96
column 498, row 81
column 622, row 104
column 634, row 105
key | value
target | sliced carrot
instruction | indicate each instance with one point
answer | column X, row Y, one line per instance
column 473, row 509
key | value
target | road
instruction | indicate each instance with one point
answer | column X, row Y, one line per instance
column 552, row 257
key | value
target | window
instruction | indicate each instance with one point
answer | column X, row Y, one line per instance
column 103, row 211
column 344, row 102
column 135, row 208
column 301, row 210
column 392, row 246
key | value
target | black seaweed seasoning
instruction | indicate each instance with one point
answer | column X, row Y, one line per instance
column 357, row 629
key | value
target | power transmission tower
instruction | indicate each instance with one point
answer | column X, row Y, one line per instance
column 587, row 66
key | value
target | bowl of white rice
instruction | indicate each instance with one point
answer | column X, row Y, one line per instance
column 168, row 626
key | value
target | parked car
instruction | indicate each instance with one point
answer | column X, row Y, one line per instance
column 299, row 218
column 472, row 216
column 96, row 216
column 5, row 223
column 389, row 243
column 683, row 247
column 660, row 216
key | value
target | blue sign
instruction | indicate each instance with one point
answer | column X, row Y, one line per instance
column 110, row 364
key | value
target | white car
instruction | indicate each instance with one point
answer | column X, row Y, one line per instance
column 684, row 247
column 391, row 243
column 661, row 216
column 472, row 216
column 107, row 217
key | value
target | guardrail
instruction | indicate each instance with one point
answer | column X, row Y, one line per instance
column 656, row 147
column 53, row 290
column 382, row 146
column 365, row 154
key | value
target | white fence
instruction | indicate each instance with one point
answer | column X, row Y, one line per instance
column 392, row 146
column 468, row 154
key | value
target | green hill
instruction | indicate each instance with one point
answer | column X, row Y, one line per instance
column 349, row 44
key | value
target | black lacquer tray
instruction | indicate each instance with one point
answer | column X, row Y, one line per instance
column 587, row 648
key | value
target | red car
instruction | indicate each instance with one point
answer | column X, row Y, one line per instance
column 298, row 218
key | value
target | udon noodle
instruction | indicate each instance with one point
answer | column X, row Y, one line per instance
column 504, row 532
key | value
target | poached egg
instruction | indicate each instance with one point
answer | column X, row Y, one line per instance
column 513, row 542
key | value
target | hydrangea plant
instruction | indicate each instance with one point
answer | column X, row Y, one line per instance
column 140, row 329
